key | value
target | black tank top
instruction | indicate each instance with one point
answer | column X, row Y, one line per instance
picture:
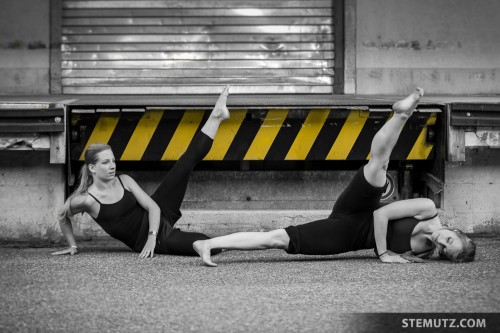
column 399, row 234
column 124, row 219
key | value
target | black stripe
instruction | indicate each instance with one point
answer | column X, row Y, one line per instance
column 162, row 135
column 123, row 132
column 286, row 136
column 362, row 145
column 84, row 126
column 431, row 155
column 409, row 136
column 245, row 135
column 327, row 136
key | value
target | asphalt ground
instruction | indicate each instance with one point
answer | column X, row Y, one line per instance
column 107, row 288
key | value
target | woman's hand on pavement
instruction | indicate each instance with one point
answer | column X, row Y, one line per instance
column 70, row 250
column 149, row 248
column 411, row 257
column 391, row 257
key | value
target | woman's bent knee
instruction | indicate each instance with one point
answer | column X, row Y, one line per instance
column 375, row 173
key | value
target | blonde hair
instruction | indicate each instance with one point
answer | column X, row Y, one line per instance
column 466, row 254
column 91, row 157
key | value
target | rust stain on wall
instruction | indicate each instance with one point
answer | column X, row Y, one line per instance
column 375, row 75
column 413, row 44
column 478, row 76
column 19, row 45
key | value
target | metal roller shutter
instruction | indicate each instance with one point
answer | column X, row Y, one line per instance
column 197, row 46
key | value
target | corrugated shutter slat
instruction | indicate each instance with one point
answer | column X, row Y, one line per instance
column 197, row 46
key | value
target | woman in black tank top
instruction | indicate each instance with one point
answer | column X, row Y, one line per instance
column 117, row 203
column 358, row 222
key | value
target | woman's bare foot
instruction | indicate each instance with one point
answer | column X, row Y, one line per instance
column 201, row 247
column 408, row 105
column 220, row 111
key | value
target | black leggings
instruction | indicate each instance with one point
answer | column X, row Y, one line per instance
column 169, row 197
column 348, row 228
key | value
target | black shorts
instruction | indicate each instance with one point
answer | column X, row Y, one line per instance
column 169, row 196
column 348, row 227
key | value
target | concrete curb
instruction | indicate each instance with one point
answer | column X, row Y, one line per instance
column 215, row 223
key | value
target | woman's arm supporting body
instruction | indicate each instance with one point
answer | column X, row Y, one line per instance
column 77, row 204
column 67, row 230
column 153, row 210
column 419, row 208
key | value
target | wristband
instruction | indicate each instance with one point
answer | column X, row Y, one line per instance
column 152, row 233
column 380, row 255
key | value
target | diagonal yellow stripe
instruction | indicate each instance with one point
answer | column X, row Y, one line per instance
column 102, row 131
column 421, row 149
column 307, row 135
column 348, row 135
column 225, row 135
column 266, row 135
column 183, row 134
column 143, row 133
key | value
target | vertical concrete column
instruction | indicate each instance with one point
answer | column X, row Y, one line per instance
column 24, row 47
column 472, row 192
column 31, row 191
column 350, row 47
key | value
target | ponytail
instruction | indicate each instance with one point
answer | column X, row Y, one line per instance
column 91, row 157
column 85, row 181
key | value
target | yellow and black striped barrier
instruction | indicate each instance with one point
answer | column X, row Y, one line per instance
column 273, row 134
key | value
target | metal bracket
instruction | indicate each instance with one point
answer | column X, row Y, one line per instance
column 32, row 120
column 435, row 188
column 475, row 114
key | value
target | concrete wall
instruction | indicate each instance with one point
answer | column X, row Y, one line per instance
column 445, row 46
column 24, row 47
column 472, row 192
column 31, row 190
column 221, row 202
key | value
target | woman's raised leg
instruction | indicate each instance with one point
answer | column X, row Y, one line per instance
column 218, row 115
column 246, row 241
column 170, row 193
column 386, row 138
